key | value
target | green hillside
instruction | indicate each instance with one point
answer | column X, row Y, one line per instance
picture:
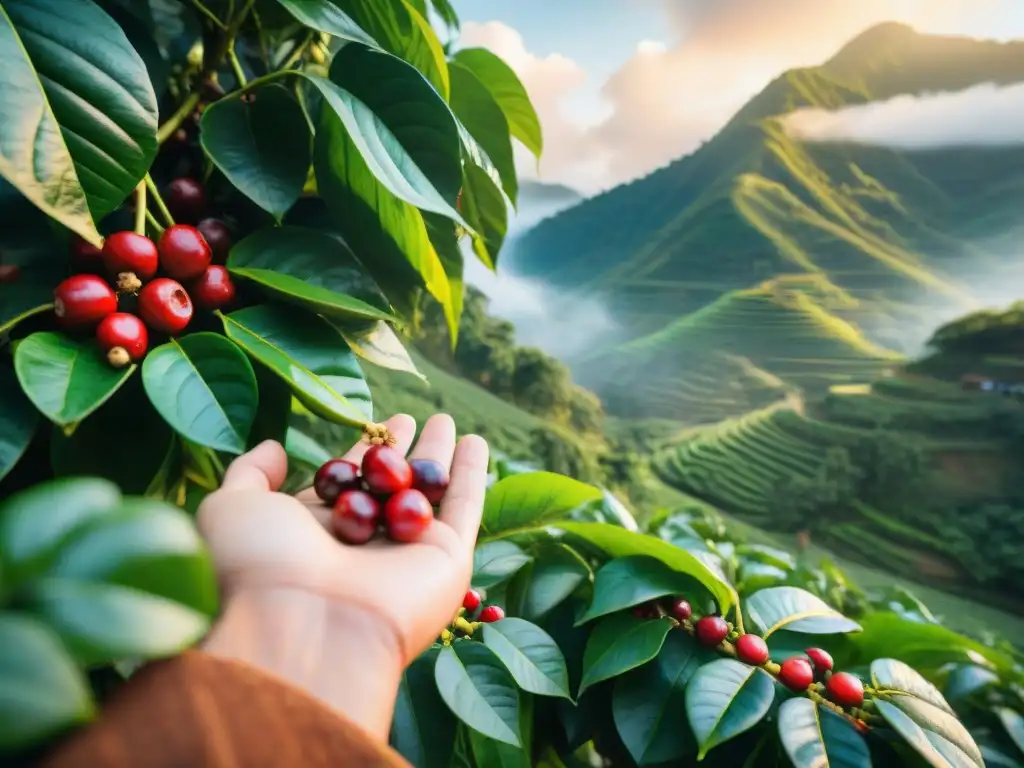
column 895, row 231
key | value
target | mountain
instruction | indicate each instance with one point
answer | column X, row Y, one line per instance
column 895, row 241
column 538, row 200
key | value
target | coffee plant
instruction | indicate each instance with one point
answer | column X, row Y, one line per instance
column 212, row 211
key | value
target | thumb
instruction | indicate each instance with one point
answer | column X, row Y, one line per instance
column 264, row 468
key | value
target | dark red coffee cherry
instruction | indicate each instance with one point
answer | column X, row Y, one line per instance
column 165, row 306
column 184, row 252
column 752, row 650
column 386, row 471
column 821, row 659
column 355, row 517
column 492, row 613
column 9, row 273
column 681, row 609
column 335, row 477
column 123, row 337
column 130, row 252
column 796, row 673
column 82, row 301
column 407, row 515
column 711, row 631
column 186, row 200
column 845, row 689
column 218, row 235
column 85, row 257
column 430, row 478
column 214, row 289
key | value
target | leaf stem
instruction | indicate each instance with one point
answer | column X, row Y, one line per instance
column 294, row 56
column 174, row 122
column 198, row 5
column 140, row 208
column 154, row 223
column 159, row 201
column 236, row 66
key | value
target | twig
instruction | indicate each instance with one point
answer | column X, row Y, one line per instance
column 209, row 14
column 159, row 201
column 140, row 208
column 174, row 122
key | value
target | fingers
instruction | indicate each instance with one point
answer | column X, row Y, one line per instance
column 437, row 440
column 401, row 426
column 264, row 468
column 463, row 503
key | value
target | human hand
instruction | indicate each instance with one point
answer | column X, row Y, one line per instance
column 326, row 615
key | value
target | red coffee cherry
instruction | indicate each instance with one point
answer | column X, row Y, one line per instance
column 335, row 477
column 648, row 610
column 164, row 306
column 407, row 515
column 130, row 252
column 214, row 289
column 82, row 301
column 186, row 200
column 681, row 609
column 752, row 650
column 218, row 235
column 845, row 689
column 355, row 517
column 711, row 631
column 85, row 257
column 123, row 337
column 9, row 273
column 471, row 601
column 184, row 252
column 430, row 478
column 491, row 613
column 386, row 471
column 796, row 673
column 821, row 659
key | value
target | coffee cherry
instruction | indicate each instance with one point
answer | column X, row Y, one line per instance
column 85, row 257
column 430, row 478
column 796, row 673
column 335, row 477
column 124, row 332
column 407, row 515
column 386, row 471
column 164, row 306
column 821, row 659
column 184, row 252
column 681, row 609
column 648, row 610
column 845, row 689
column 130, row 252
column 491, row 613
column 711, row 631
column 471, row 601
column 9, row 273
column 218, row 235
column 355, row 517
column 82, row 301
column 214, row 288
column 752, row 650
column 186, row 200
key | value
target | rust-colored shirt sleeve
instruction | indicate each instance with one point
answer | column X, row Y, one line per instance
column 199, row 711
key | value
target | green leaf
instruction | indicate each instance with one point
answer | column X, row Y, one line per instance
column 81, row 116
column 1013, row 722
column 479, row 690
column 795, row 610
column 18, row 421
column 304, row 449
column 646, row 702
column 724, row 699
column 892, row 676
column 934, row 734
column 557, row 572
column 445, row 240
column 309, row 355
column 34, row 522
column 261, row 144
column 31, row 295
column 423, row 728
column 965, row 679
column 312, row 268
column 100, row 623
column 815, row 737
column 485, row 121
column 620, row 643
column 41, row 691
column 627, row 581
column 530, row 655
column 617, row 542
column 496, row 754
column 377, row 343
column 485, row 208
column 326, row 16
column 275, row 409
column 205, row 388
column 495, row 562
column 509, row 92
column 528, row 500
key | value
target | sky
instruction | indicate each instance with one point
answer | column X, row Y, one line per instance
column 623, row 87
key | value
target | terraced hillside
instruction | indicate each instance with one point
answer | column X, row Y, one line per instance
column 900, row 232
column 742, row 352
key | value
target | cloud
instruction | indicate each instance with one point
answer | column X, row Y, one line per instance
column 983, row 115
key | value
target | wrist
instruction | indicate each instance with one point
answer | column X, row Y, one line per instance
column 336, row 652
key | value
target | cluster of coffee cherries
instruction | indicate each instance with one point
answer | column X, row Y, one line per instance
column 387, row 492
column 470, row 617
column 811, row 671
column 133, row 286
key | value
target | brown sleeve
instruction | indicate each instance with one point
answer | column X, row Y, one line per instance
column 198, row 711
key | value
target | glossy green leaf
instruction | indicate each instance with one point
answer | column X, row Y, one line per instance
column 484, row 206
column 996, row 758
column 18, row 421
column 532, row 499
column 309, row 355
column 495, row 562
column 65, row 379
column 476, row 686
column 327, row 16
column 334, row 282
column 934, row 734
column 304, row 449
column 205, row 388
column 767, row 555
column 815, row 737
column 275, row 409
column 724, row 699
column 646, row 702
column 557, row 572
column 620, row 643
column 509, row 92
column 41, row 691
column 966, row 679
column 32, row 294
column 483, row 118
column 261, row 144
column 1013, row 723
column 892, row 676
column 423, row 728
column 530, row 655
column 377, row 343
column 443, row 236
column 497, row 754
column 795, row 610
column 627, row 581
